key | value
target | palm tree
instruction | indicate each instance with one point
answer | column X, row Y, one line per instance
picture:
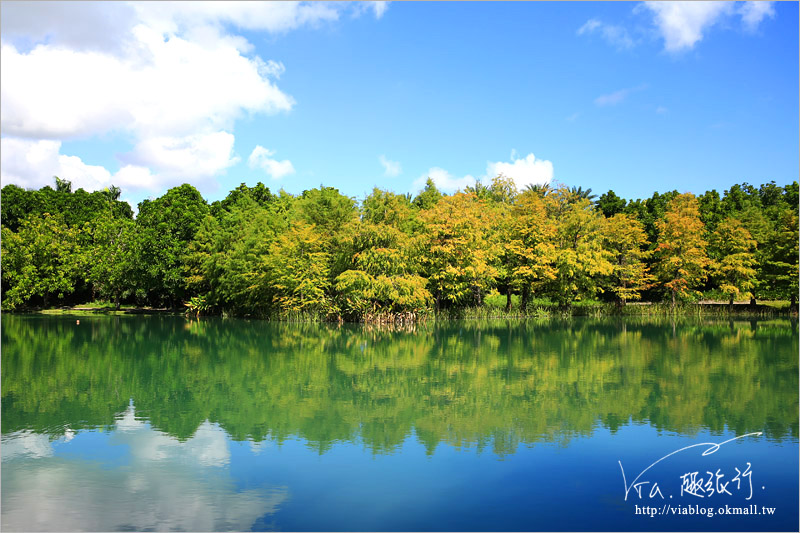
column 542, row 190
column 479, row 189
column 63, row 185
column 112, row 192
column 580, row 194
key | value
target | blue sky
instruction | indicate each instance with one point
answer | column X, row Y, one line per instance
column 634, row 97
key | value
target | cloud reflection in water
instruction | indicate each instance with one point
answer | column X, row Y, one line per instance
column 162, row 484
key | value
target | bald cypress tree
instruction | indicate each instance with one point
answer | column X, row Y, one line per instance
column 681, row 257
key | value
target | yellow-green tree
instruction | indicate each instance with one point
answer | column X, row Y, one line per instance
column 579, row 258
column 459, row 258
column 527, row 246
column 383, row 274
column 681, row 252
column 298, row 271
column 624, row 237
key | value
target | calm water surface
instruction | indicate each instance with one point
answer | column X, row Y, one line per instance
column 162, row 423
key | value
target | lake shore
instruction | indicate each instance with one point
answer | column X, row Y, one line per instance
column 766, row 308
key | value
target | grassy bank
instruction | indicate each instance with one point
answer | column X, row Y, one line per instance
column 494, row 307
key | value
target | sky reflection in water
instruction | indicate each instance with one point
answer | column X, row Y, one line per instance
column 162, row 424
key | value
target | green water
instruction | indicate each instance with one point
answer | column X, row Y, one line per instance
column 304, row 424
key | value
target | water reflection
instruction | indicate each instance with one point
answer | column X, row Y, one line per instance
column 137, row 423
column 473, row 383
column 149, row 481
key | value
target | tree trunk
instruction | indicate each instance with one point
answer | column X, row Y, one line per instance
column 753, row 301
column 508, row 299
column 673, row 299
column 794, row 300
column 476, row 296
column 524, row 301
column 116, row 302
column 730, row 305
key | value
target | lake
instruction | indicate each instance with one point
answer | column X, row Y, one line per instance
column 135, row 423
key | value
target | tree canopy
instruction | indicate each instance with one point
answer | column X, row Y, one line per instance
column 323, row 254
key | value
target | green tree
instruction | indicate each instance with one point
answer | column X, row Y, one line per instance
column 17, row 204
column 580, row 259
column 710, row 209
column 108, row 262
column 227, row 258
column 386, row 207
column 780, row 270
column 681, row 252
column 41, row 259
column 610, row 204
column 733, row 259
column 164, row 228
column 429, row 196
column 327, row 209
column 259, row 194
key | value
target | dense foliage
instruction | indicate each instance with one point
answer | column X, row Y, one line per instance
column 323, row 255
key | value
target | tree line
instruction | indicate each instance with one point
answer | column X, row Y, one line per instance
column 323, row 254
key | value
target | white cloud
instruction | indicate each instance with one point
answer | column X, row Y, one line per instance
column 103, row 26
column 527, row 171
column 274, row 17
column 168, row 76
column 524, row 171
column 443, row 180
column 378, row 8
column 617, row 96
column 390, row 168
column 615, row 35
column 74, row 25
column 33, row 163
column 172, row 87
column 262, row 158
column 661, row 110
column 133, row 177
column 194, row 156
column 590, row 26
column 682, row 24
column 174, row 97
column 754, row 12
